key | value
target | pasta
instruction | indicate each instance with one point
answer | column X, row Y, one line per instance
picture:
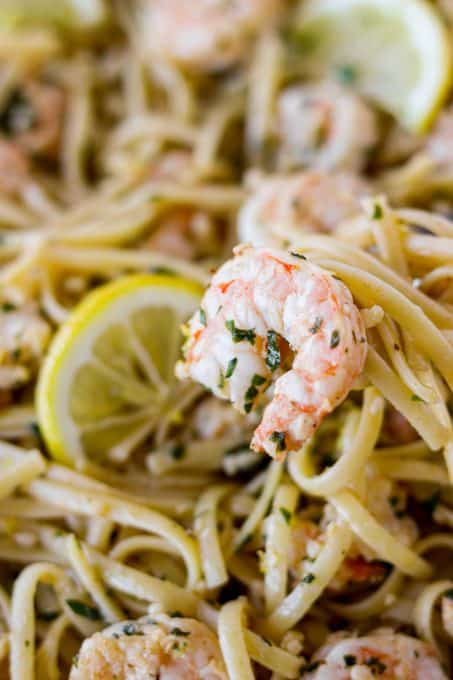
column 140, row 141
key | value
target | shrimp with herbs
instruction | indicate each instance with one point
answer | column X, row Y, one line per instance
column 381, row 654
column 206, row 35
column 164, row 647
column 325, row 127
column 304, row 202
column 264, row 307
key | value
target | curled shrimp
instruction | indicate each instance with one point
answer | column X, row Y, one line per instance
column 382, row 653
column 325, row 127
column 306, row 201
column 262, row 307
column 168, row 648
column 206, row 34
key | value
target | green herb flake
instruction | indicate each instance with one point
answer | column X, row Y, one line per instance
column 449, row 594
column 221, row 383
column 377, row 212
column 308, row 578
column 240, row 334
column 393, row 501
column 273, row 354
column 203, row 317
column 47, row 616
column 296, row 254
column 258, row 380
column 8, row 307
column 251, row 393
column 178, row 452
column 334, row 339
column 310, row 667
column 316, row 325
column 349, row 660
column 278, row 438
column 231, row 367
column 175, row 614
column 131, row 629
column 415, row 397
column 346, row 74
column 82, row 609
column 286, row 514
column 376, row 665
column 179, row 632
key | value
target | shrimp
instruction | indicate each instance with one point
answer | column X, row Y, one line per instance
column 307, row 201
column 382, row 654
column 387, row 501
column 168, row 648
column 325, row 127
column 262, row 306
column 206, row 35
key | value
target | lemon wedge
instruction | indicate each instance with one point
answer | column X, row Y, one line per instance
column 108, row 380
column 396, row 52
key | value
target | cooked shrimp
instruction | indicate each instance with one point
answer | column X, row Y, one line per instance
column 325, row 127
column 161, row 647
column 382, row 654
column 307, row 201
column 386, row 500
column 262, row 305
column 206, row 34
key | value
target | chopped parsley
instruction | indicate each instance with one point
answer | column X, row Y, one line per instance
column 47, row 615
column 299, row 255
column 258, row 380
column 273, row 354
column 221, row 383
column 251, row 393
column 178, row 451
column 377, row 212
column 230, row 368
column 240, row 334
column 376, row 665
column 346, row 74
column 415, row 397
column 316, row 325
column 279, row 439
column 286, row 514
column 175, row 614
column 82, row 609
column 334, row 339
column 310, row 667
column 179, row 632
column 449, row 594
column 349, row 660
column 203, row 317
column 8, row 307
column 308, row 578
column 131, row 629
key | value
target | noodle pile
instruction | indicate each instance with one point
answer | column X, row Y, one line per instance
column 146, row 170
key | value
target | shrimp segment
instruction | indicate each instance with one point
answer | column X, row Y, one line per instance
column 206, row 34
column 382, row 654
column 262, row 306
column 306, row 201
column 152, row 647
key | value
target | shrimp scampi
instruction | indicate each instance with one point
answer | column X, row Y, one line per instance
column 325, row 127
column 207, row 35
column 263, row 306
column 382, row 653
column 164, row 647
column 303, row 202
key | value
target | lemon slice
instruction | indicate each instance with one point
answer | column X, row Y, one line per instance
column 396, row 52
column 108, row 380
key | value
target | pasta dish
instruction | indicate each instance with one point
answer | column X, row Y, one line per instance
column 226, row 339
